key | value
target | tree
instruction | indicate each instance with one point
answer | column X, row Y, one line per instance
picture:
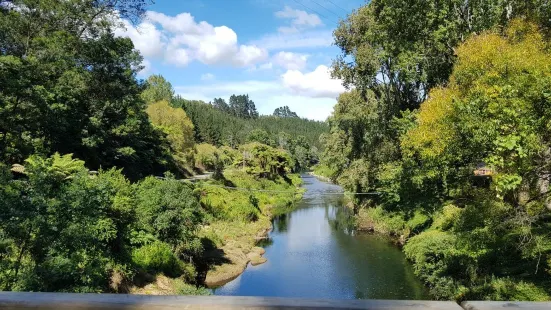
column 393, row 52
column 221, row 105
column 495, row 110
column 157, row 89
column 243, row 107
column 168, row 210
column 284, row 112
column 261, row 136
column 176, row 125
column 213, row 126
column 264, row 161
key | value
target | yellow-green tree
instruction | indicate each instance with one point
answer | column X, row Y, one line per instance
column 178, row 127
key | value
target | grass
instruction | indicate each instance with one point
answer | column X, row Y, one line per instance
column 239, row 219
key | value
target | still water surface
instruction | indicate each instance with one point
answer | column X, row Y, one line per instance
column 313, row 253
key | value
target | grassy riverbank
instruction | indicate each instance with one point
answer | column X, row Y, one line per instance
column 239, row 219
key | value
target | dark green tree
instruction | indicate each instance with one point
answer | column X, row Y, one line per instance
column 284, row 112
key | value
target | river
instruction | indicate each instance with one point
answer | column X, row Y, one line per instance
column 312, row 252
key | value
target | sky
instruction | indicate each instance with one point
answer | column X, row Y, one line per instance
column 276, row 51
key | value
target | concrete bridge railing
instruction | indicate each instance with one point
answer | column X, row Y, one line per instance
column 62, row 301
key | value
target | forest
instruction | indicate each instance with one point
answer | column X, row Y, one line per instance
column 447, row 122
column 93, row 161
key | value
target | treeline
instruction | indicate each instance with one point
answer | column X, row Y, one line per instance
column 109, row 214
column 219, row 127
column 448, row 121
column 212, row 125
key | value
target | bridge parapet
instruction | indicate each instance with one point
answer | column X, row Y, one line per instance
column 62, row 301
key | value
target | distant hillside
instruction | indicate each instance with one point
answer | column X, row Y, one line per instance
column 218, row 127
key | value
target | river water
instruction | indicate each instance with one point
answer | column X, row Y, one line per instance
column 312, row 252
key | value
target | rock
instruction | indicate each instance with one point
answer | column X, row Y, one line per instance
column 258, row 250
column 256, row 259
column 260, row 260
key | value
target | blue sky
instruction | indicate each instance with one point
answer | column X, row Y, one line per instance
column 277, row 51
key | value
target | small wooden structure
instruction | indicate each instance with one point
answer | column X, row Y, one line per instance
column 482, row 170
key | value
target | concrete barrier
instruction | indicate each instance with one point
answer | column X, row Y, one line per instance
column 510, row 305
column 62, row 301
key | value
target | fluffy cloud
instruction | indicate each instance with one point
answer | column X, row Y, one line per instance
column 267, row 96
column 299, row 20
column 266, row 66
column 317, row 84
column 290, row 61
column 311, row 94
column 179, row 40
column 147, row 39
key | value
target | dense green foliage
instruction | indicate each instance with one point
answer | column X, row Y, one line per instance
column 66, row 229
column 212, row 125
column 157, row 89
column 69, row 86
column 431, row 103
column 177, row 127
column 216, row 127
column 240, row 106
column 284, row 112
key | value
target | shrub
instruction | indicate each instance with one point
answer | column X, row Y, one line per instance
column 158, row 257
column 206, row 156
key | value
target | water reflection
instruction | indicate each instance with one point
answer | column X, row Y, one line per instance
column 280, row 222
column 314, row 252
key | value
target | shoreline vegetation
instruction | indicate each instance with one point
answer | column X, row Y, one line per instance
column 236, row 241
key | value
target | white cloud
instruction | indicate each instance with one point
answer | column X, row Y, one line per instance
column 177, row 56
column 267, row 96
column 207, row 77
column 266, row 66
column 317, row 84
column 299, row 20
column 146, row 38
column 303, row 39
column 179, row 40
column 147, row 68
column 311, row 94
column 290, row 61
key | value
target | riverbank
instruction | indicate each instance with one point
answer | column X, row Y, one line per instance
column 230, row 240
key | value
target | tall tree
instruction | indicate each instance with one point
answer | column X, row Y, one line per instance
column 284, row 112
column 177, row 126
column 243, row 107
column 157, row 88
column 221, row 105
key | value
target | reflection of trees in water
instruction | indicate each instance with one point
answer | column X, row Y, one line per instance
column 343, row 219
column 281, row 222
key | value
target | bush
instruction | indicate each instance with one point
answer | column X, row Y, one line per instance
column 169, row 210
column 418, row 222
column 206, row 156
column 156, row 258
column 386, row 222
column 508, row 289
